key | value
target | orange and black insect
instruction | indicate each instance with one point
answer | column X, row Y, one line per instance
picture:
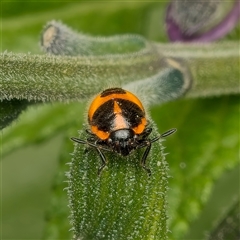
column 118, row 123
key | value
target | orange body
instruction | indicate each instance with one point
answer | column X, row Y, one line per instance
column 116, row 109
column 118, row 124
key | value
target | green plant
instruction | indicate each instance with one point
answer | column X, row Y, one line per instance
column 201, row 152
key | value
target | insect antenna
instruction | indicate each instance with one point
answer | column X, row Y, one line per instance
column 167, row 133
column 163, row 135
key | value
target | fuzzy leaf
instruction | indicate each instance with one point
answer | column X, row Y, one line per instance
column 121, row 203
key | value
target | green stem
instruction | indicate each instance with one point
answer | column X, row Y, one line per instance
column 59, row 39
column 215, row 66
column 61, row 78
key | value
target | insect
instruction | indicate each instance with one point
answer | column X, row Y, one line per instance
column 118, row 124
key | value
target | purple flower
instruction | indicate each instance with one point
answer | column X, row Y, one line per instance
column 198, row 21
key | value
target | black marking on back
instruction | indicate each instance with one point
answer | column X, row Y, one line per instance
column 110, row 91
column 104, row 117
column 131, row 112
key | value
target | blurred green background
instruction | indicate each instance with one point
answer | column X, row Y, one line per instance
column 203, row 159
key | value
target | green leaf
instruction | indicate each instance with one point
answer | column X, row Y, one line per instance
column 228, row 228
column 215, row 218
column 205, row 145
column 10, row 110
column 57, row 216
column 39, row 123
column 123, row 202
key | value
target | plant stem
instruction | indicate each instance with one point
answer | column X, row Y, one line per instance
column 61, row 78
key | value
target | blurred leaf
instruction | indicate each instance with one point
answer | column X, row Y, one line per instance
column 205, row 145
column 57, row 216
column 106, row 19
column 223, row 199
column 26, row 176
column 10, row 110
column 229, row 227
column 11, row 8
column 40, row 123
column 21, row 28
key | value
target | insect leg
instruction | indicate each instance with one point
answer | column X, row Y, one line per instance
column 102, row 156
column 146, row 132
column 103, row 160
column 148, row 145
column 144, row 158
column 88, row 131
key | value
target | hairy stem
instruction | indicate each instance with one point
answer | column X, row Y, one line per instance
column 62, row 78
